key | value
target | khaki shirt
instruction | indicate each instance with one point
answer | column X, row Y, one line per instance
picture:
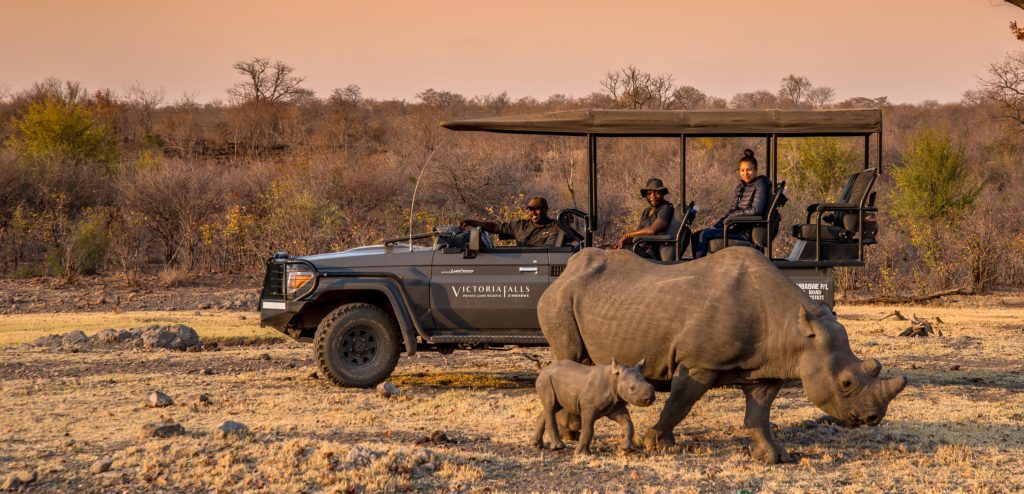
column 528, row 234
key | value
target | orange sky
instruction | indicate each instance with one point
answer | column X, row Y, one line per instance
column 909, row 50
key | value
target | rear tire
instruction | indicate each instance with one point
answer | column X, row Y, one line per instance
column 357, row 345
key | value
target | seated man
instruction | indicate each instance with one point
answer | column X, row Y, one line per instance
column 655, row 219
column 752, row 195
column 537, row 231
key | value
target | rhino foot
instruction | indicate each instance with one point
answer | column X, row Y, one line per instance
column 557, row 446
column 770, row 454
column 570, row 435
column 655, row 440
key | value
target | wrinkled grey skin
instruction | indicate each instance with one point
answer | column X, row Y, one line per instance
column 731, row 318
column 581, row 394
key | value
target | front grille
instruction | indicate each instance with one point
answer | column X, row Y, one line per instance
column 273, row 284
column 556, row 269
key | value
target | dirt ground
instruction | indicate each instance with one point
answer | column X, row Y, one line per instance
column 958, row 427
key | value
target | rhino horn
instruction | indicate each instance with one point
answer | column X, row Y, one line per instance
column 892, row 387
column 871, row 367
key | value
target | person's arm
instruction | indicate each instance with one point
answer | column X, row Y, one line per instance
column 487, row 226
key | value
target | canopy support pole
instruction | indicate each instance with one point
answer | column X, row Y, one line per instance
column 592, row 166
column 682, row 171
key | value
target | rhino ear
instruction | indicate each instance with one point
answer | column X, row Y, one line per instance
column 807, row 322
column 640, row 365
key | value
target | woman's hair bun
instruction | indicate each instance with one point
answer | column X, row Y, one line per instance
column 747, row 153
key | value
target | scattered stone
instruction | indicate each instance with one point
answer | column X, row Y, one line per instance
column 211, row 347
column 165, row 428
column 174, row 336
column 265, row 357
column 439, row 437
column 242, row 318
column 314, row 375
column 203, row 400
column 230, row 428
column 101, row 466
column 954, row 367
column 18, row 479
column 206, row 371
column 158, row 399
column 387, row 390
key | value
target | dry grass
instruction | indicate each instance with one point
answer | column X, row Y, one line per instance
column 950, row 431
column 211, row 325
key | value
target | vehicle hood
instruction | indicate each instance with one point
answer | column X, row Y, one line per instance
column 373, row 255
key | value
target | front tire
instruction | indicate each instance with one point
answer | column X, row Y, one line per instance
column 357, row 345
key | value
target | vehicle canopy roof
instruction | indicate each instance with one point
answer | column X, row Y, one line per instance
column 711, row 123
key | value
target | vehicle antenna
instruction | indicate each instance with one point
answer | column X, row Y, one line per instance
column 416, row 188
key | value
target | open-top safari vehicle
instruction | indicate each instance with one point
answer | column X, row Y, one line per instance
column 363, row 306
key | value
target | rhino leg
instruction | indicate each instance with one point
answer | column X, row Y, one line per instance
column 587, row 418
column 621, row 415
column 759, row 401
column 687, row 387
column 538, row 434
column 557, row 316
column 568, row 425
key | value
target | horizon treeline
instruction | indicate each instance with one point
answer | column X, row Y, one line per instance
column 128, row 183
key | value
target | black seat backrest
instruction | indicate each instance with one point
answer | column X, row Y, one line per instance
column 779, row 199
column 684, row 232
column 856, row 194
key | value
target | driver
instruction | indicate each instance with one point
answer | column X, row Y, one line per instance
column 537, row 231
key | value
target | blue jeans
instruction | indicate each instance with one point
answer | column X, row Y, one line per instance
column 704, row 237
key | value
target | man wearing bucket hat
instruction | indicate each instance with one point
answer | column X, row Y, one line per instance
column 655, row 218
column 537, row 231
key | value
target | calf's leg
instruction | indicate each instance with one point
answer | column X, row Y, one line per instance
column 621, row 415
column 587, row 418
column 687, row 387
column 759, row 401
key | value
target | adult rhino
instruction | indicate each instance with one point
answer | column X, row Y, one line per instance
column 731, row 318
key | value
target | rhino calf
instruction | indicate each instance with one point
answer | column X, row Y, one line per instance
column 576, row 392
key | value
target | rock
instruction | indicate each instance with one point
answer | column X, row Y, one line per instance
column 387, row 390
column 18, row 479
column 242, row 318
column 265, row 357
column 955, row 367
column 206, row 371
column 165, row 428
column 75, row 337
column 158, row 399
column 108, row 335
column 314, row 375
column 101, row 466
column 230, row 428
column 202, row 400
column 49, row 341
column 439, row 437
column 174, row 337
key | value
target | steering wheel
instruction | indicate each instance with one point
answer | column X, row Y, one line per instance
column 565, row 219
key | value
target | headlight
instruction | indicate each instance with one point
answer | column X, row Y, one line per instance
column 299, row 279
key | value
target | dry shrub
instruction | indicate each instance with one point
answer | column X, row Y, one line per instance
column 130, row 239
column 172, row 276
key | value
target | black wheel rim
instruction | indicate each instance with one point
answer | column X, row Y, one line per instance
column 358, row 347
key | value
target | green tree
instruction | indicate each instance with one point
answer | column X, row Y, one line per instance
column 818, row 164
column 933, row 182
column 65, row 132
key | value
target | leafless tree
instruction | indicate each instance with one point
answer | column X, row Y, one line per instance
column 437, row 98
column 145, row 103
column 267, row 81
column 1005, row 87
column 793, row 90
column 755, row 101
column 689, row 98
column 820, row 96
column 633, row 88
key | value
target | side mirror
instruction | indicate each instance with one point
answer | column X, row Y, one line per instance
column 474, row 243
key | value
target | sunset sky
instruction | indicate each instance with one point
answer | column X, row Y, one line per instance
column 908, row 50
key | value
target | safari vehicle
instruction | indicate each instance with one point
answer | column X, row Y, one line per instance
column 362, row 307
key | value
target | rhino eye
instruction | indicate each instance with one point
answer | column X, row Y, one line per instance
column 845, row 383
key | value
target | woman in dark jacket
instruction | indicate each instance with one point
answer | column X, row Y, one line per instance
column 752, row 195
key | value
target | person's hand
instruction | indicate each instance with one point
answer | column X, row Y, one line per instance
column 622, row 241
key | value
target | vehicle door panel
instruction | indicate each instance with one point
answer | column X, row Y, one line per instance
column 497, row 289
